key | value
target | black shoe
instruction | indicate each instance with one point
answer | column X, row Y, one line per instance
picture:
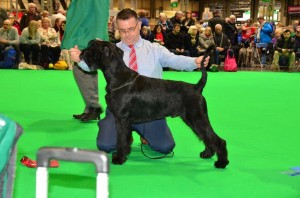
column 93, row 114
column 79, row 116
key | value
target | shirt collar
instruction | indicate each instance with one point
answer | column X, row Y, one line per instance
column 138, row 44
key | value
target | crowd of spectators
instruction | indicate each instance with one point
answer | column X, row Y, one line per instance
column 184, row 35
column 36, row 37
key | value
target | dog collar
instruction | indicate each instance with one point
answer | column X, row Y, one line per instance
column 125, row 84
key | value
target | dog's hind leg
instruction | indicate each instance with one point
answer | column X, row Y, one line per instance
column 200, row 125
column 123, row 142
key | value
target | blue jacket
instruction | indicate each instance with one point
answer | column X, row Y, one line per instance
column 265, row 33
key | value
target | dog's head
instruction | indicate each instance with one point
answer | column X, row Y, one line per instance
column 99, row 54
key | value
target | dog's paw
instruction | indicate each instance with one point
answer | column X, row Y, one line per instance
column 221, row 164
column 207, row 154
column 117, row 159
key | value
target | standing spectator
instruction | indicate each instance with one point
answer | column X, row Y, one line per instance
column 264, row 38
column 50, row 44
column 232, row 34
column 143, row 17
column 79, row 17
column 284, row 49
column 188, row 21
column 159, row 35
column 175, row 42
column 9, row 37
column 221, row 42
column 30, row 15
column 166, row 24
column 3, row 16
column 29, row 42
column 217, row 19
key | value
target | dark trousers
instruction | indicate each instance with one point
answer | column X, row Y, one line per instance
column 49, row 54
column 156, row 132
column 33, row 49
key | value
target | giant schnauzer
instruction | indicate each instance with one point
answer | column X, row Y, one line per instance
column 133, row 98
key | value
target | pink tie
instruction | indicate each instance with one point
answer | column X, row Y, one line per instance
column 132, row 59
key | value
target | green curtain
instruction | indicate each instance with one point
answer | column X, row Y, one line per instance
column 86, row 20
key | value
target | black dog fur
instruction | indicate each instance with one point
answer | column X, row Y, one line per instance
column 133, row 98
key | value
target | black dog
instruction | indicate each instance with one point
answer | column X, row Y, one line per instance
column 133, row 98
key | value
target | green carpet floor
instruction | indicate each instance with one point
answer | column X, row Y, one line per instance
column 256, row 112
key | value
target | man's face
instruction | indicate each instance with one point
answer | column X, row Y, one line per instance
column 179, row 16
column 32, row 9
column 177, row 29
column 129, row 30
column 6, row 25
column 286, row 35
column 218, row 30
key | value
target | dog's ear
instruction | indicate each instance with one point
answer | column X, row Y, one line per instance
column 120, row 51
column 106, row 54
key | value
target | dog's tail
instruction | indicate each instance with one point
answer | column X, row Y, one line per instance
column 202, row 82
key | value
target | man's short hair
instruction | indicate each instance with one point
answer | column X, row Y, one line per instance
column 216, row 13
column 260, row 18
column 126, row 14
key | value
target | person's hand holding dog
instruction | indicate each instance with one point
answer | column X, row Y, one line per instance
column 75, row 53
column 199, row 60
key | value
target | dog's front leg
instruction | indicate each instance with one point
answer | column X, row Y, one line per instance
column 123, row 141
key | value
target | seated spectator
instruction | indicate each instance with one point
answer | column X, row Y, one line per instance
column 264, row 38
column 29, row 42
column 57, row 24
column 166, row 24
column 159, row 35
column 44, row 14
column 284, row 50
column 9, row 37
column 62, row 30
column 147, row 34
column 50, row 44
column 175, row 42
column 222, row 43
column 192, row 41
column 297, row 43
column 187, row 21
column 248, row 33
column 15, row 23
column 206, row 39
column 277, row 35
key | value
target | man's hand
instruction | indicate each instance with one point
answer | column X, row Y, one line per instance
column 75, row 53
column 199, row 59
column 4, row 41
